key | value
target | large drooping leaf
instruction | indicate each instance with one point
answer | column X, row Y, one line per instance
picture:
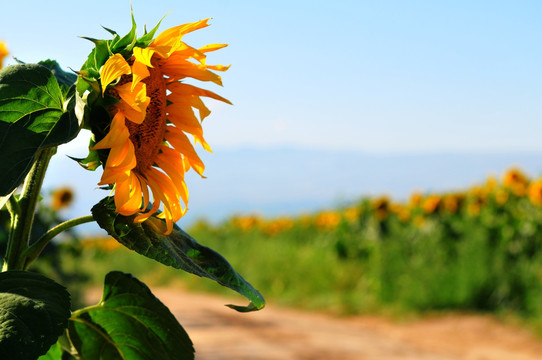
column 34, row 310
column 33, row 115
column 178, row 250
column 128, row 323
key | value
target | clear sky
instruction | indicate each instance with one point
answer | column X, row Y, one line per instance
column 375, row 76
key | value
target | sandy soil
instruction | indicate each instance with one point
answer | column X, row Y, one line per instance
column 220, row 333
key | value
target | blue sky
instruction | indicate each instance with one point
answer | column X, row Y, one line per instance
column 374, row 76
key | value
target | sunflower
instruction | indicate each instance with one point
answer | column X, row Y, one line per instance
column 381, row 208
column 516, row 181
column 3, row 52
column 61, row 198
column 151, row 113
column 535, row 192
column 432, row 204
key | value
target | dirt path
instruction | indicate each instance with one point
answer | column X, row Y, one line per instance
column 220, row 333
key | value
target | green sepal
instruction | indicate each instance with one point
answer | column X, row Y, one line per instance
column 97, row 57
column 126, row 43
column 34, row 311
column 129, row 322
column 92, row 161
column 178, row 250
column 148, row 37
column 112, row 32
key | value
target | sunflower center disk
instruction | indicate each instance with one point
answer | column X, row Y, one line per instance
column 149, row 135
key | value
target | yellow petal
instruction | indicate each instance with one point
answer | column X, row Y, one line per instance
column 165, row 191
column 113, row 68
column 218, row 67
column 184, row 119
column 139, row 72
column 173, row 167
column 129, row 202
column 113, row 175
column 181, row 142
column 171, row 37
column 186, row 89
column 212, row 47
column 118, row 154
column 117, row 135
column 185, row 51
column 155, row 206
column 143, row 55
column 3, row 52
column 134, row 103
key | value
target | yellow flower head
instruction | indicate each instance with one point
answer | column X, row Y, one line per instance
column 247, row 223
column 277, row 226
column 491, row 185
column 415, row 200
column 451, row 203
column 516, row 181
column 352, row 214
column 501, row 196
column 143, row 143
column 61, row 198
column 381, row 208
column 3, row 52
column 535, row 192
column 402, row 211
column 432, row 204
column 327, row 220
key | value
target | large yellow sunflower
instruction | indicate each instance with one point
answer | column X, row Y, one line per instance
column 147, row 137
column 3, row 52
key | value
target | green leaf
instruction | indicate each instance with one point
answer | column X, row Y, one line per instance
column 128, row 323
column 33, row 116
column 54, row 353
column 65, row 79
column 34, row 311
column 61, row 350
column 4, row 199
column 178, row 250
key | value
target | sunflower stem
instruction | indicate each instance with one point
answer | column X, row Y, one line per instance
column 32, row 252
column 23, row 216
column 14, row 210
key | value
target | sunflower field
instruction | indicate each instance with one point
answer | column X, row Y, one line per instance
column 473, row 250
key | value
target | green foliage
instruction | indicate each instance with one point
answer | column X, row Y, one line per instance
column 34, row 311
column 178, row 250
column 128, row 323
column 65, row 79
column 33, row 116
column 54, row 353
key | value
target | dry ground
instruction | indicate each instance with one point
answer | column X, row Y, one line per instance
column 220, row 333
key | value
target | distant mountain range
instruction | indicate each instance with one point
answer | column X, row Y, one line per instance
column 290, row 181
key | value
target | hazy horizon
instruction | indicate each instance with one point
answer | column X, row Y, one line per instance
column 287, row 181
